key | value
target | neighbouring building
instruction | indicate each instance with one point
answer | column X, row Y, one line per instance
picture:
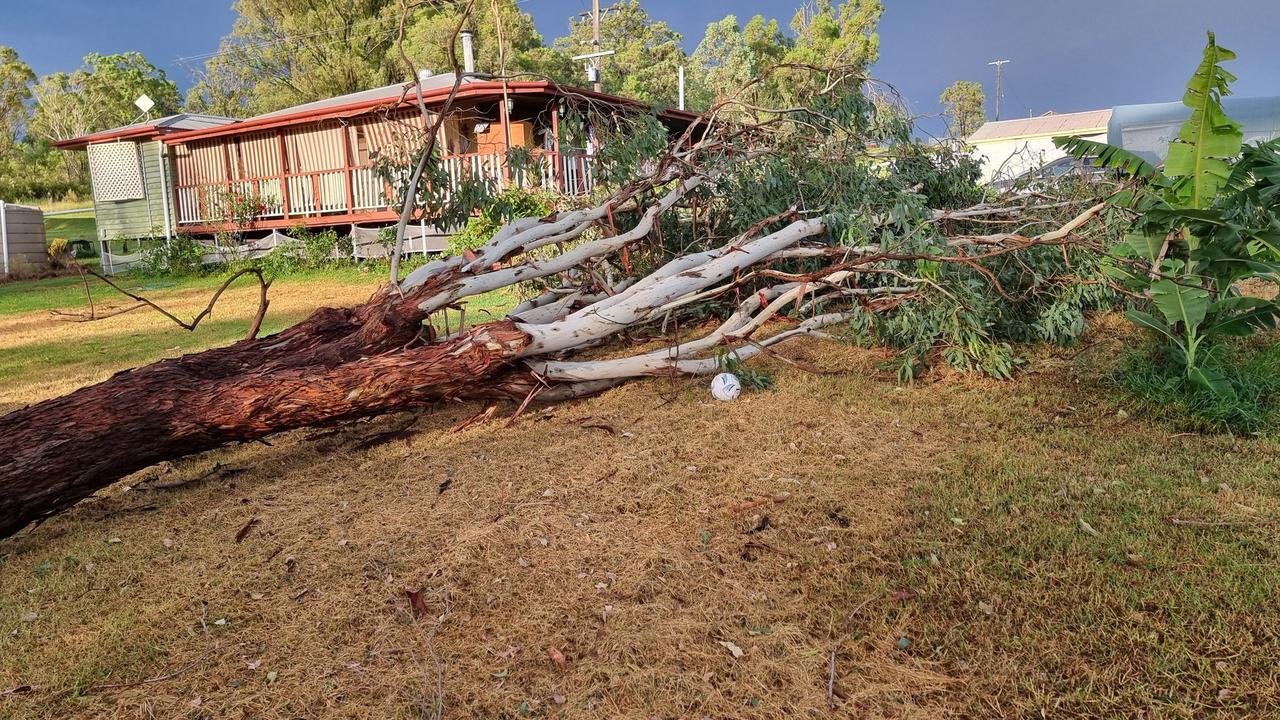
column 1147, row 129
column 22, row 244
column 1009, row 148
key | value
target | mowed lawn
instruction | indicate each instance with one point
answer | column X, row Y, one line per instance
column 44, row 353
column 840, row 547
column 74, row 226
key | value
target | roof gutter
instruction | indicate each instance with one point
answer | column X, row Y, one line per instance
column 79, row 143
column 338, row 111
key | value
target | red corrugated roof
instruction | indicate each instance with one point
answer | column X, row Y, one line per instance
column 434, row 91
column 150, row 128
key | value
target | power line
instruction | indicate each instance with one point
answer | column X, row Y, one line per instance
column 262, row 44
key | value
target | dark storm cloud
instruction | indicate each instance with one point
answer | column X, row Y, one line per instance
column 1066, row 55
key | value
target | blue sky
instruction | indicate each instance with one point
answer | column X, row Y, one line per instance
column 1097, row 53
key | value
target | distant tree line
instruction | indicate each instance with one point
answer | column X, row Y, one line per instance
column 285, row 52
column 36, row 112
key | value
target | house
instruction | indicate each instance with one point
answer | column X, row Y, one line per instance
column 1009, row 148
column 313, row 164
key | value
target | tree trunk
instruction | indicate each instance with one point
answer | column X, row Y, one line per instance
column 336, row 365
column 382, row 356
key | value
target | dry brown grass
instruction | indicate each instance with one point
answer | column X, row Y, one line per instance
column 929, row 536
column 622, row 549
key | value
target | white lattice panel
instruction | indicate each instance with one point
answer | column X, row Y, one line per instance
column 116, row 172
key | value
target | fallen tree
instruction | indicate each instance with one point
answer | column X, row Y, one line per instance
column 687, row 241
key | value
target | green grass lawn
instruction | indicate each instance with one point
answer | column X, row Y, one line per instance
column 79, row 226
column 1092, row 562
column 962, row 547
column 68, row 291
column 39, row 347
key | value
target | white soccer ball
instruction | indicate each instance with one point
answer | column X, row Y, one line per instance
column 726, row 386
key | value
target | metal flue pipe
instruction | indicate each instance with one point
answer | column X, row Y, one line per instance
column 468, row 51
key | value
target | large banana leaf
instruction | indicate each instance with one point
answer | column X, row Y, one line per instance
column 1145, row 245
column 1151, row 322
column 1261, row 160
column 1180, row 303
column 1125, row 276
column 1200, row 157
column 1240, row 316
column 1110, row 156
column 1211, row 380
column 1265, row 243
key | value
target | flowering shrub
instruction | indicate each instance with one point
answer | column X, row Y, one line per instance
column 241, row 210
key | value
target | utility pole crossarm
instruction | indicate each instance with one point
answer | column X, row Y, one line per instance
column 593, row 57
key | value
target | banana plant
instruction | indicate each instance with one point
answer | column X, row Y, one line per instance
column 1208, row 220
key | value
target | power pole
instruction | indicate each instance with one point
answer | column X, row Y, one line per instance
column 593, row 58
column 595, row 40
column 999, row 68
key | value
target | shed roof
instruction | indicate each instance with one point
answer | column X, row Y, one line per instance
column 148, row 129
column 1147, row 129
column 1078, row 123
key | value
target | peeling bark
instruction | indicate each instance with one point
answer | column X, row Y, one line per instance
column 336, row 365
